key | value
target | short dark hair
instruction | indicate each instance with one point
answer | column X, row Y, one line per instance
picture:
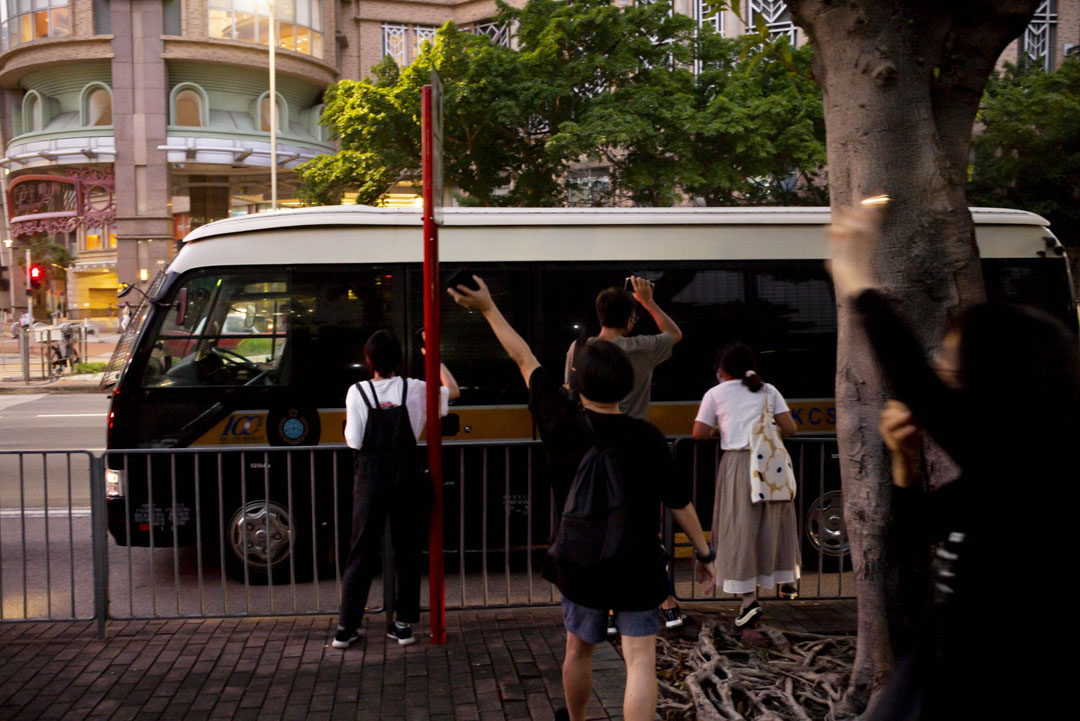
column 601, row 371
column 383, row 353
column 737, row 360
column 614, row 307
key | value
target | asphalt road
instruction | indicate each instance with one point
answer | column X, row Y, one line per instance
column 53, row 422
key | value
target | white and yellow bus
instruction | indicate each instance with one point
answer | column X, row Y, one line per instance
column 257, row 327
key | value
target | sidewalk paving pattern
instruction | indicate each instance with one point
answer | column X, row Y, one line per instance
column 496, row 664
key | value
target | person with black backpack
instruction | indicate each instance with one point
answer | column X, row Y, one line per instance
column 384, row 417
column 609, row 473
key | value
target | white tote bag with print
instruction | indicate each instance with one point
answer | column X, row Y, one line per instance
column 772, row 477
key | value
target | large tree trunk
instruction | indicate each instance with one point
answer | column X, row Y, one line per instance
column 901, row 84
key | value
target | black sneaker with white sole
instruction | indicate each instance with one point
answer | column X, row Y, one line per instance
column 612, row 630
column 402, row 633
column 343, row 637
column 747, row 615
column 789, row 591
column 673, row 617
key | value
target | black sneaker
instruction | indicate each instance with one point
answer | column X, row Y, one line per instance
column 611, row 628
column 673, row 617
column 747, row 615
column 344, row 637
column 402, row 633
column 562, row 714
column 789, row 590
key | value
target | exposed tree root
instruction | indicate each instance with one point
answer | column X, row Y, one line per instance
column 761, row 675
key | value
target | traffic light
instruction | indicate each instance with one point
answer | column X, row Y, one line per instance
column 37, row 276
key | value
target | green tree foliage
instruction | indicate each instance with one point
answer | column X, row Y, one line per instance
column 588, row 85
column 1027, row 153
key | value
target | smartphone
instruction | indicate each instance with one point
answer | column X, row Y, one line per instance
column 629, row 285
column 462, row 277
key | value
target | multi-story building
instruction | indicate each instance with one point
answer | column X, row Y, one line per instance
column 125, row 123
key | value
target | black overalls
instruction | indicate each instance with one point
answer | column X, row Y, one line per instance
column 386, row 484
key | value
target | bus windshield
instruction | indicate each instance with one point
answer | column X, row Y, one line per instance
column 232, row 330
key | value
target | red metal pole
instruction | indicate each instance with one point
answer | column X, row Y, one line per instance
column 432, row 304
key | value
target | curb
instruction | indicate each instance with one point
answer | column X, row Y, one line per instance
column 28, row 390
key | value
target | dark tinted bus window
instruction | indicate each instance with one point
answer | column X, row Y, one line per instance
column 470, row 350
column 334, row 315
column 708, row 305
column 1041, row 283
column 795, row 328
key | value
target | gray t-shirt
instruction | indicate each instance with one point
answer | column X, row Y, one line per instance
column 645, row 353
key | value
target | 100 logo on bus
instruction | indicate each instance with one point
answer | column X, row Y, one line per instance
column 246, row 426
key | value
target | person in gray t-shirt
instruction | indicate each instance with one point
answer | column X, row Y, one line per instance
column 616, row 310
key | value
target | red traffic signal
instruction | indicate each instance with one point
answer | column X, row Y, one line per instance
column 37, row 276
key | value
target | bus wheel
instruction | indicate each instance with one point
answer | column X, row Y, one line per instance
column 825, row 542
column 261, row 536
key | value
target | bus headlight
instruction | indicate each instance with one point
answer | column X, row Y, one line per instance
column 113, row 483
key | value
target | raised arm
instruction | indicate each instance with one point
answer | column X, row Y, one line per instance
column 512, row 343
column 643, row 292
column 449, row 381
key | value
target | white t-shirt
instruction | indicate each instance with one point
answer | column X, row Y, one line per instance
column 733, row 408
column 389, row 392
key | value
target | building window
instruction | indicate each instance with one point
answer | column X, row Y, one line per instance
column 424, row 34
column 97, row 106
column 393, row 42
column 499, row 33
column 715, row 20
column 188, row 109
column 776, row 15
column 299, row 23
column 33, row 113
column 28, row 20
column 1037, row 42
column 99, row 238
column 282, row 113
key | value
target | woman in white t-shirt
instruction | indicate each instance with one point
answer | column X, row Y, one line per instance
column 757, row 544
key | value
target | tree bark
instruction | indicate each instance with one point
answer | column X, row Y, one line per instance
column 901, row 83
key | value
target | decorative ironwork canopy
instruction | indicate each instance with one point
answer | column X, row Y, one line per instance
column 51, row 204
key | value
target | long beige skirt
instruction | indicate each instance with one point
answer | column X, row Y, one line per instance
column 757, row 544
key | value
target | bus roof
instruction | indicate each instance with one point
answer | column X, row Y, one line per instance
column 368, row 215
column 362, row 234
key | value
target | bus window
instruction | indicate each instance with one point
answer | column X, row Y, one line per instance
column 708, row 305
column 795, row 328
column 234, row 332
column 469, row 348
column 1041, row 283
column 344, row 308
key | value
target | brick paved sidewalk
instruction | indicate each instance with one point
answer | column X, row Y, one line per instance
column 497, row 664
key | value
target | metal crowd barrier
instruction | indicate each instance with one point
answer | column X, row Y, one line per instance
column 213, row 532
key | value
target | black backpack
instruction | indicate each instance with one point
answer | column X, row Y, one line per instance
column 595, row 526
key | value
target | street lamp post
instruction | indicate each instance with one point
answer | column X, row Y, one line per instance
column 273, row 106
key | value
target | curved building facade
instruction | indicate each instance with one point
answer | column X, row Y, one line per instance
column 126, row 123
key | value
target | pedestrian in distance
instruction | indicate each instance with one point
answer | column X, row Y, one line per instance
column 757, row 539
column 1004, row 362
column 632, row 582
column 384, row 417
column 616, row 309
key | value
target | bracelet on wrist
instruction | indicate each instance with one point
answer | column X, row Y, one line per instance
column 706, row 559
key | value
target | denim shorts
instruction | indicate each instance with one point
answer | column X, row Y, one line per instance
column 590, row 624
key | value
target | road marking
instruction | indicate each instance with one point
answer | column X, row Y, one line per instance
column 72, row 415
column 40, row 513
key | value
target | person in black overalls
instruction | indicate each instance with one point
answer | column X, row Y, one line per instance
column 388, row 483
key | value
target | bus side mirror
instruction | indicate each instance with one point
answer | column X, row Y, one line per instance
column 451, row 424
column 181, row 306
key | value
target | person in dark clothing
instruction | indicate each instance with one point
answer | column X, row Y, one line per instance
column 384, row 417
column 602, row 375
column 1015, row 364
